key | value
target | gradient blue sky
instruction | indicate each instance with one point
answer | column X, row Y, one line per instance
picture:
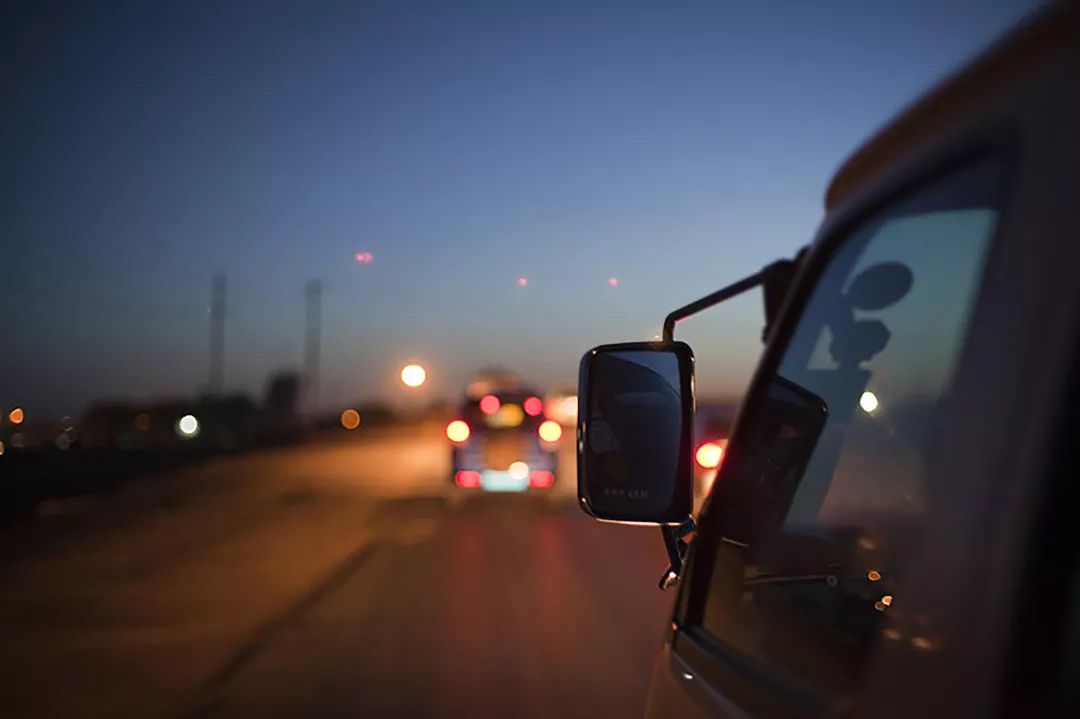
column 675, row 145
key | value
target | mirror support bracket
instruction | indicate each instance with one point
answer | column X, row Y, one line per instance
column 676, row 548
column 775, row 278
column 721, row 295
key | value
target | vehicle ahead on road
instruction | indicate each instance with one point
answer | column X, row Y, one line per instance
column 501, row 441
column 892, row 529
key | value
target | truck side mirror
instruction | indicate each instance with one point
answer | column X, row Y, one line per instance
column 635, row 432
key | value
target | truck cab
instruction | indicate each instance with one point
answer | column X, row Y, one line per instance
column 891, row 531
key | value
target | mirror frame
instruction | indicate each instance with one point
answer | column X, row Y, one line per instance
column 683, row 498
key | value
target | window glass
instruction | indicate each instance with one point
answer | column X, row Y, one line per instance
column 827, row 497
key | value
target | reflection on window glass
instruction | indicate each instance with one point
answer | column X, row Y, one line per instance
column 834, row 479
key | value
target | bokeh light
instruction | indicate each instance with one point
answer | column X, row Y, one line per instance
column 519, row 470
column 709, row 455
column 489, row 404
column 541, row 479
column 413, row 375
column 522, row 282
column 16, row 416
column 187, row 426
column 868, row 402
column 364, row 258
column 457, row 431
column 350, row 419
column 533, row 406
column 467, row 478
column 613, row 281
column 550, row 431
column 562, row 409
column 508, row 415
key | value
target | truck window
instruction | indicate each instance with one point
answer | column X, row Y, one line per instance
column 825, row 502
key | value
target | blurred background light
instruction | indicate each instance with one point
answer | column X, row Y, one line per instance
column 540, row 479
column 550, row 431
column 458, row 431
column 562, row 408
column 187, row 426
column 350, row 419
column 413, row 375
column 868, row 402
column 508, row 415
column 489, row 404
column 467, row 478
column 709, row 455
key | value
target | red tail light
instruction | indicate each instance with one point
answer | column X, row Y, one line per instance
column 533, row 406
column 709, row 455
column 489, row 404
column 467, row 478
column 458, row 431
column 539, row 479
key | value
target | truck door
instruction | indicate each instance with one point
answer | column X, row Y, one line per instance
column 799, row 570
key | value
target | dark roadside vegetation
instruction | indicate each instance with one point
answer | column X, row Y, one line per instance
column 115, row 442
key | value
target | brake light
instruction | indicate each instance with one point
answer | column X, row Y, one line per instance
column 709, row 455
column 533, row 406
column 489, row 404
column 550, row 431
column 467, row 479
column 540, row 479
column 458, row 431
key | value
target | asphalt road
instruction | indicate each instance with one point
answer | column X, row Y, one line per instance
column 342, row 578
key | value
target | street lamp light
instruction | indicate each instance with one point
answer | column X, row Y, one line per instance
column 187, row 427
column 413, row 375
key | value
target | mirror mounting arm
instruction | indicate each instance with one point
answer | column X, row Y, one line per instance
column 715, row 298
column 676, row 548
column 775, row 278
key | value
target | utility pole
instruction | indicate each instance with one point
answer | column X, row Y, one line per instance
column 312, row 341
column 217, row 334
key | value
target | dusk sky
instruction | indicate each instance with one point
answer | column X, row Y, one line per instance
column 676, row 146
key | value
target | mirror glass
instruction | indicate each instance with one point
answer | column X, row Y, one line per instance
column 634, row 463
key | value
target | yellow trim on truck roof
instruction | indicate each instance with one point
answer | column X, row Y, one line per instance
column 1009, row 58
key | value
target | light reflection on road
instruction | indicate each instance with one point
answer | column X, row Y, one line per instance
column 328, row 578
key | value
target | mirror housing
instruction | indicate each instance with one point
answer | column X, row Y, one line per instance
column 635, row 432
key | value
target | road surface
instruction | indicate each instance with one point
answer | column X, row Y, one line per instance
column 332, row 579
